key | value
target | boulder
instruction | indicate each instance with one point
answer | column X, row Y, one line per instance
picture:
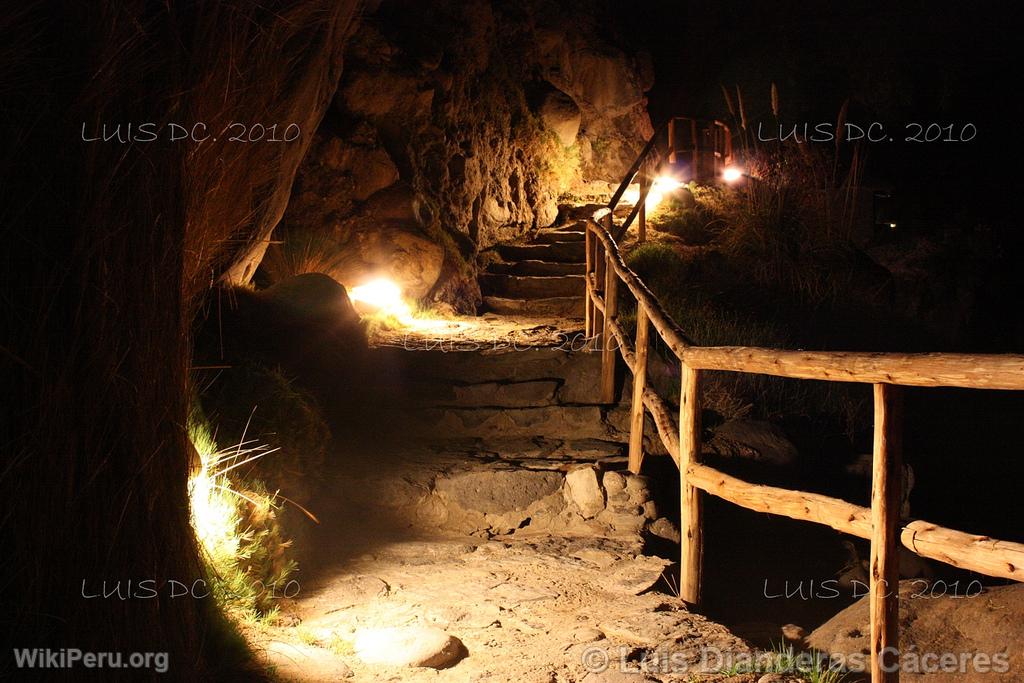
column 415, row 646
column 664, row 528
column 493, row 213
column 614, row 483
column 377, row 93
column 793, row 633
column 634, row 576
column 498, row 491
column 398, row 204
column 299, row 662
column 400, row 252
column 601, row 76
column 638, row 488
column 262, row 326
column 583, row 489
column 546, row 212
column 316, row 298
column 984, row 629
column 755, row 440
column 369, row 165
column 587, row 634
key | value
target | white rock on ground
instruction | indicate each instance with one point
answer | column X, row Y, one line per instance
column 299, row 662
column 418, row 646
column 585, row 491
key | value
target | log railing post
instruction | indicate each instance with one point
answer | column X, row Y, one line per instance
column 645, row 182
column 608, row 341
column 588, row 301
column 636, row 416
column 692, row 547
column 596, row 291
column 886, row 492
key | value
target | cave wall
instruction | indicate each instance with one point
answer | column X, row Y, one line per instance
column 110, row 248
column 455, row 126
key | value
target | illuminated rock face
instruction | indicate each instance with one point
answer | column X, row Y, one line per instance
column 583, row 489
column 561, row 115
column 417, row 646
column 465, row 139
column 935, row 620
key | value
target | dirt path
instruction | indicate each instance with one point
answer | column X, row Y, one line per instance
column 533, row 608
column 489, row 528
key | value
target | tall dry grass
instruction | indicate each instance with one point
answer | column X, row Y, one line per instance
column 301, row 251
column 792, row 219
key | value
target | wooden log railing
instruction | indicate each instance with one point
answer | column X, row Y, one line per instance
column 887, row 372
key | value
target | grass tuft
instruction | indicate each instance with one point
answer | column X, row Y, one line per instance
column 236, row 523
column 811, row 666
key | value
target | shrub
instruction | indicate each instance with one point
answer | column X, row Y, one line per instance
column 690, row 287
column 693, row 221
column 795, row 208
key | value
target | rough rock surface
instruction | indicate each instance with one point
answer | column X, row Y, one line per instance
column 531, row 608
column 482, row 126
column 755, row 440
column 417, row 646
column 528, row 549
column 561, row 116
column 500, row 440
column 584, row 490
column 294, row 661
column 989, row 624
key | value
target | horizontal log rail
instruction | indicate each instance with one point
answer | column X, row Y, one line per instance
column 887, row 372
column 1002, row 559
column 906, row 369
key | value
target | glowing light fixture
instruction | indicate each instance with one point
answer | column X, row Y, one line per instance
column 660, row 187
column 631, row 195
column 380, row 296
column 732, row 174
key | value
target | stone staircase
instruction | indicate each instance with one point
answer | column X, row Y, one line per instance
column 495, row 440
column 504, row 393
column 543, row 277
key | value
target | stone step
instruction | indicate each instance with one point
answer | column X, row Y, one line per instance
column 543, row 268
column 552, row 236
column 556, row 421
column 500, row 394
column 540, row 451
column 531, row 286
column 562, row 252
column 462, row 486
column 561, row 306
column 576, row 372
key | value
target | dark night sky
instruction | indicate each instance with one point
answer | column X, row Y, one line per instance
column 897, row 62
